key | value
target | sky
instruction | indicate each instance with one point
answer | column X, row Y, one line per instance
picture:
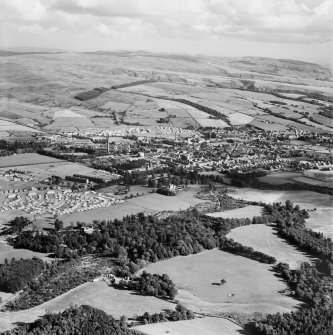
column 294, row 29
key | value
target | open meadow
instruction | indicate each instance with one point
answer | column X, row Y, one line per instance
column 250, row 286
column 263, row 238
column 200, row 326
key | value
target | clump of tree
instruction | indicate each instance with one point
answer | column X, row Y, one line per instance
column 83, row 320
column 16, row 274
column 180, row 313
column 16, row 226
column 166, row 191
column 151, row 284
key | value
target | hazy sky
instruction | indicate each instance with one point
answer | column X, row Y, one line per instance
column 296, row 29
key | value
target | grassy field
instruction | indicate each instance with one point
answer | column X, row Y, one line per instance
column 97, row 294
column 207, row 326
column 239, row 213
column 250, row 287
column 263, row 238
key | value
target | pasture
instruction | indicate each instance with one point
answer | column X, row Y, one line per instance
column 250, row 286
column 200, row 326
column 263, row 238
column 238, row 213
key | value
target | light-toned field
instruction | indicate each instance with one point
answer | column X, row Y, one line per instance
column 239, row 213
column 239, row 119
column 250, row 287
column 263, row 238
column 202, row 326
column 320, row 220
column 97, row 294
column 66, row 113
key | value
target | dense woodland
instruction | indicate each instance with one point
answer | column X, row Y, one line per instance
column 84, row 320
column 16, row 274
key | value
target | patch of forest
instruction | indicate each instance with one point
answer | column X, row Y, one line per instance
column 16, row 274
column 84, row 320
column 57, row 278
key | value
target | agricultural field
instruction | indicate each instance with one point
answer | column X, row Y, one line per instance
column 263, row 238
column 41, row 167
column 238, row 119
column 250, row 286
column 239, row 213
column 323, row 120
column 96, row 294
column 200, row 326
column 278, row 178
